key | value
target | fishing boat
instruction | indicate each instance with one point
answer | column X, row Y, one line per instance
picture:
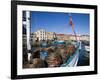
column 73, row 59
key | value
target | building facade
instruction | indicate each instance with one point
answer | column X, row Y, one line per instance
column 62, row 37
column 50, row 35
column 85, row 37
column 40, row 35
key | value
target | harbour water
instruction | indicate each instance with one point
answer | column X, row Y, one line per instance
column 83, row 59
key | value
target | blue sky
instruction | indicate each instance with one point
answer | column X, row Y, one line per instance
column 59, row 22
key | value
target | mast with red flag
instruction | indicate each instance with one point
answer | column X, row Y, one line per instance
column 72, row 25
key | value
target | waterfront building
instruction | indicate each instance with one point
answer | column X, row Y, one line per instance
column 85, row 37
column 50, row 35
column 40, row 34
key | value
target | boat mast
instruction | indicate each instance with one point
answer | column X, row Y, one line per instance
column 72, row 25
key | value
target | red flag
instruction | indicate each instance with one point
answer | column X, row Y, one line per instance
column 71, row 22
